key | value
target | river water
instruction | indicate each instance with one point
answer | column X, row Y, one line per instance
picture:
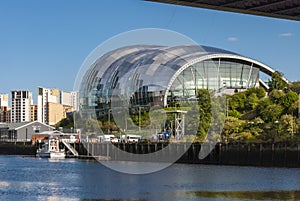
column 30, row 178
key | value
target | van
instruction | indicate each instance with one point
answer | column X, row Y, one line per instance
column 107, row 138
column 131, row 138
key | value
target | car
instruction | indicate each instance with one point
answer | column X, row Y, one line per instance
column 129, row 138
column 108, row 138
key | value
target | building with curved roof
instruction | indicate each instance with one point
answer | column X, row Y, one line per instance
column 159, row 75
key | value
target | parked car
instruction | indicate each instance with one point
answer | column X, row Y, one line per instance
column 130, row 138
column 107, row 138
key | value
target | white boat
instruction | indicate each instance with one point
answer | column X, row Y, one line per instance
column 51, row 150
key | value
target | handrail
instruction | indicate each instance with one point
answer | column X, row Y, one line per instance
column 70, row 147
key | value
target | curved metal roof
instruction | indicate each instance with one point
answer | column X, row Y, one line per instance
column 128, row 69
column 152, row 56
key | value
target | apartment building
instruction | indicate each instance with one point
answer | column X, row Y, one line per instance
column 4, row 108
column 3, row 100
column 44, row 97
column 33, row 113
column 21, row 100
column 69, row 99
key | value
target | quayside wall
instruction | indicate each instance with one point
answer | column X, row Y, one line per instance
column 17, row 148
column 258, row 154
column 268, row 155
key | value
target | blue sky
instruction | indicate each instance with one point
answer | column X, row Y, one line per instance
column 44, row 43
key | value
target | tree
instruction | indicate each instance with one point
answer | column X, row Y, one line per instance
column 232, row 128
column 259, row 91
column 262, row 104
column 288, row 127
column 244, row 136
column 92, row 125
column 204, row 103
column 277, row 81
column 237, row 101
column 251, row 102
column 271, row 113
column 293, row 109
column 67, row 122
column 275, row 95
column 288, row 99
column 192, row 120
column 234, row 113
column 295, row 86
column 255, row 128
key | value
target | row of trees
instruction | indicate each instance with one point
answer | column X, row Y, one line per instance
column 255, row 115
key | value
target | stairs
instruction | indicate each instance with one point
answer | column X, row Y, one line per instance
column 70, row 147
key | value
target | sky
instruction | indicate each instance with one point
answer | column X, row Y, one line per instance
column 44, row 43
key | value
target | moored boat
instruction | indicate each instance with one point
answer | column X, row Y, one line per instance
column 51, row 150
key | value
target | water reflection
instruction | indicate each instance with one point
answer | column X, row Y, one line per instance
column 73, row 179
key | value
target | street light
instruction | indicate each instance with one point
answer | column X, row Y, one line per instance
column 227, row 106
column 292, row 125
column 277, row 123
column 139, row 118
column 108, row 128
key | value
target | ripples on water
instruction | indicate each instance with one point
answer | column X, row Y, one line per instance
column 26, row 178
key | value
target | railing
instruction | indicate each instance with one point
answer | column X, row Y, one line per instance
column 15, row 140
column 70, row 147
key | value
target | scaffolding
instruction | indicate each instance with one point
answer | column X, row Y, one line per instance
column 179, row 123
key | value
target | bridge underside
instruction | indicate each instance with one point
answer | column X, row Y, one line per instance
column 285, row 9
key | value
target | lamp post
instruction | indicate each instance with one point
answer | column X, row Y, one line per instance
column 292, row 128
column 292, row 136
column 273, row 137
column 227, row 106
column 139, row 118
column 108, row 129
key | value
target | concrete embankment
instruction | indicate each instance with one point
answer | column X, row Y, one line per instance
column 267, row 155
column 17, row 148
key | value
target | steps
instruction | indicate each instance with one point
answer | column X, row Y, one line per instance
column 70, row 147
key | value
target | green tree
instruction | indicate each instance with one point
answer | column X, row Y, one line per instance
column 259, row 91
column 232, row 128
column 262, row 104
column 67, row 122
column 243, row 136
column 204, row 103
column 272, row 112
column 293, row 109
column 234, row 113
column 295, row 86
column 237, row 101
column 251, row 102
column 277, row 81
column 92, row 125
column 255, row 128
column 275, row 95
column 192, row 120
column 288, row 99
column 288, row 127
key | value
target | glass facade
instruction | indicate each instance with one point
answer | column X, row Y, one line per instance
column 147, row 75
column 215, row 74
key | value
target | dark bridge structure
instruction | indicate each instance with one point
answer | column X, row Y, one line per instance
column 285, row 9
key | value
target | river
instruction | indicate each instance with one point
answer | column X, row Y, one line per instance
column 30, row 178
